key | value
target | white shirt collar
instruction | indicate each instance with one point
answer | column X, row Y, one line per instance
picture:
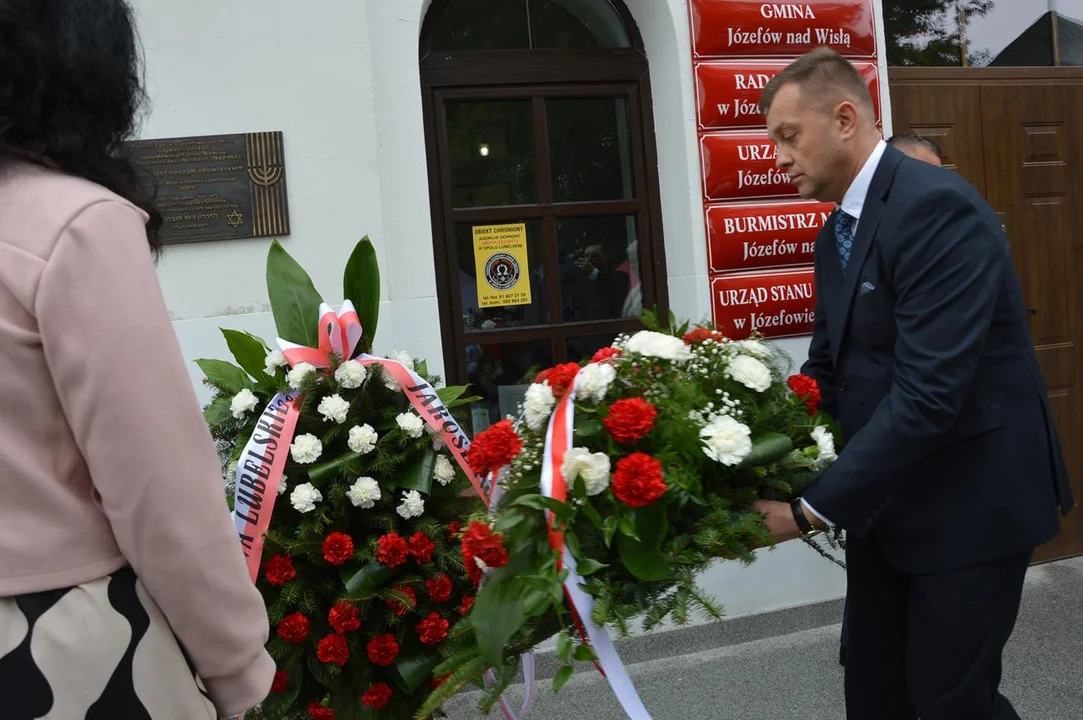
column 854, row 199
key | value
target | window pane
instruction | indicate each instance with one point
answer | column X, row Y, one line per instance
column 491, row 148
column 599, row 268
column 500, row 373
column 590, row 148
column 501, row 272
column 482, row 25
column 583, row 347
column 577, row 24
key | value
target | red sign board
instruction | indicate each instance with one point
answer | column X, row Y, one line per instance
column 763, row 235
column 727, row 93
column 780, row 304
column 741, row 166
column 750, row 28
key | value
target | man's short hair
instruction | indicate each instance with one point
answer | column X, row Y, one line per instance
column 825, row 75
column 901, row 140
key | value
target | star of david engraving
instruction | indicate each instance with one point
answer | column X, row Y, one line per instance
column 236, row 219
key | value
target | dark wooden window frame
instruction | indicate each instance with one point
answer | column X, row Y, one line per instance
column 538, row 74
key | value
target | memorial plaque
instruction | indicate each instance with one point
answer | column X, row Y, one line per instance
column 780, row 304
column 728, row 93
column 221, row 187
column 751, row 28
column 763, row 235
column 741, row 166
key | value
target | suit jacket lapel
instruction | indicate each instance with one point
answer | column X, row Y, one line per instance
column 867, row 225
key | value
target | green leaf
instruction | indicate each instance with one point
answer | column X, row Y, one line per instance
column 767, row 448
column 562, row 677
column 294, row 300
column 250, row 354
column 564, row 647
column 418, row 474
column 588, row 428
column 592, row 514
column 361, row 285
column 414, row 665
column 583, row 653
column 644, row 557
column 422, row 368
column 225, row 376
column 589, row 566
column 366, row 580
column 627, row 526
column 217, row 412
column 451, row 393
column 610, row 529
column 320, row 475
column 561, row 511
column 344, row 700
column 498, row 612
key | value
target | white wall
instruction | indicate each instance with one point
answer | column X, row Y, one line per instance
column 340, row 78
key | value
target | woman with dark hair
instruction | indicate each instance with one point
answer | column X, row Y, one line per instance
column 114, row 536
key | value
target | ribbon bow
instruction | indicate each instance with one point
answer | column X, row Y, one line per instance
column 339, row 333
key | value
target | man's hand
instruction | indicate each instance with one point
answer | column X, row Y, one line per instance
column 779, row 519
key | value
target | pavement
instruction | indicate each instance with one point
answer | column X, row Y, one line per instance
column 783, row 665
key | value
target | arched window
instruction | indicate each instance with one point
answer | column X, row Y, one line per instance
column 542, row 172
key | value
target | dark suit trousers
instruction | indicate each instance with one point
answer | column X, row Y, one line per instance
column 928, row 646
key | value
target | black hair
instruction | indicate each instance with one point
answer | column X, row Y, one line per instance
column 915, row 140
column 71, row 90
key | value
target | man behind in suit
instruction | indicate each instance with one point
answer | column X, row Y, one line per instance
column 952, row 472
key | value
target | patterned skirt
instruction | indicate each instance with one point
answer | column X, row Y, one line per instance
column 98, row 651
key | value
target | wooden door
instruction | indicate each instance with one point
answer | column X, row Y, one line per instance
column 1033, row 179
column 1017, row 136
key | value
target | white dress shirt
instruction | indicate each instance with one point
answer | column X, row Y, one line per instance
column 852, row 204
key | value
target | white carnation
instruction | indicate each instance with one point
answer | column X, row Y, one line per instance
column 296, row 377
column 403, row 358
column 304, row 498
column 306, row 449
column 593, row 381
column 592, row 467
column 364, row 493
column 362, row 439
column 351, row 374
column 243, row 403
column 334, row 408
column 444, row 472
column 274, row 360
column 282, row 486
column 756, row 349
column 411, row 424
column 726, row 441
column 538, row 405
column 750, row 372
column 412, row 505
column 825, row 443
column 658, row 345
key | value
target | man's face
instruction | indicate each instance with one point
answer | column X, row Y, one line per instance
column 921, row 152
column 810, row 144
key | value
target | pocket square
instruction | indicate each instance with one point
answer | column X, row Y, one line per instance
column 866, row 287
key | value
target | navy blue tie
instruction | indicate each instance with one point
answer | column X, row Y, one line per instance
column 844, row 236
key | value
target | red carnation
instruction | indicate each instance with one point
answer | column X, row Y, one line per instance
column 392, row 550
column 344, row 617
column 702, row 334
column 439, row 588
column 453, row 528
column 433, row 629
column 333, row 650
column 606, row 353
column 421, row 547
column 494, row 448
column 294, row 628
column 382, row 649
column 377, row 696
column 808, row 390
column 560, row 378
column 280, row 570
column 338, row 548
column 637, row 480
column 281, row 682
column 479, row 543
column 467, row 603
column 397, row 606
column 629, row 420
column 319, row 712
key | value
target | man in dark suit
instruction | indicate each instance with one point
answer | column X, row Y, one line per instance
column 952, row 472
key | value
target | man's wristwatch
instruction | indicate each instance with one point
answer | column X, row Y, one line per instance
column 799, row 517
